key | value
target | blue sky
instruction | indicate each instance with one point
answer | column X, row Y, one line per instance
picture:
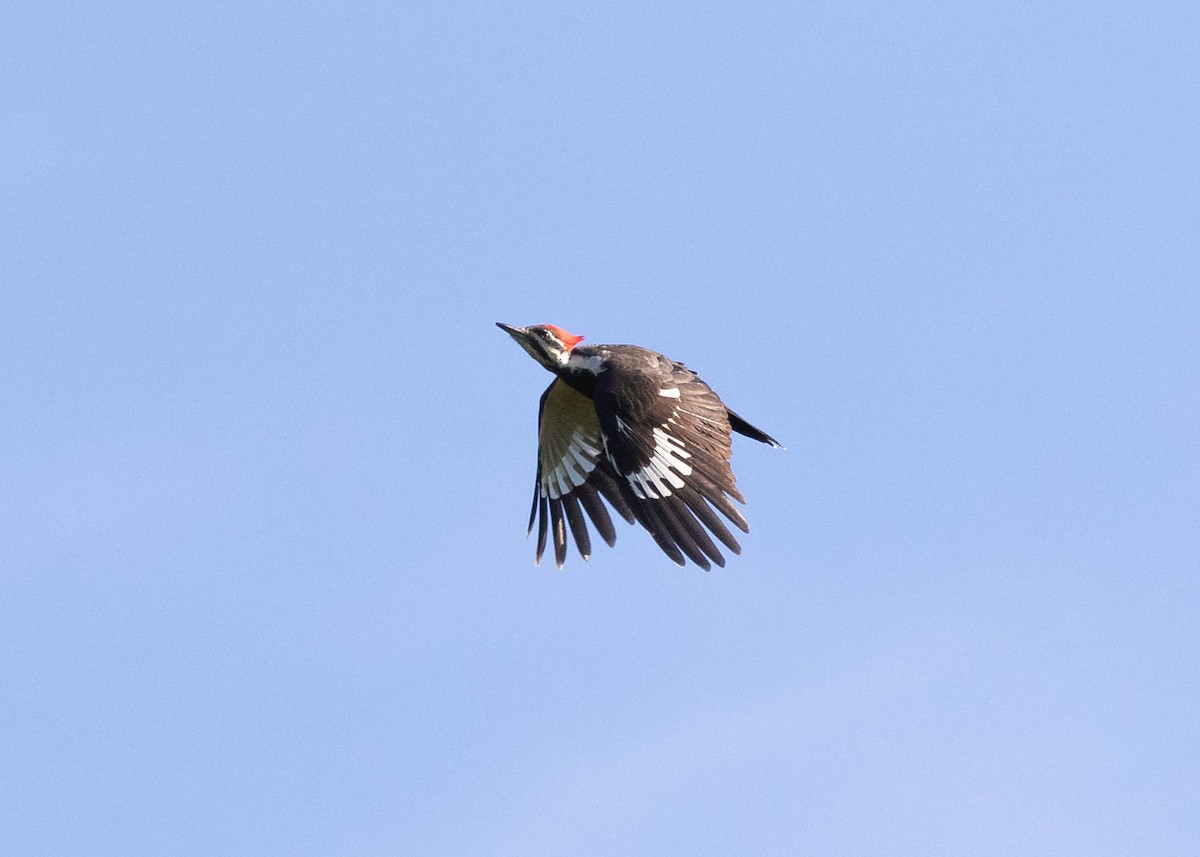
column 264, row 586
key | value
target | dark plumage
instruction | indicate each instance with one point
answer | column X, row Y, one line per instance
column 627, row 426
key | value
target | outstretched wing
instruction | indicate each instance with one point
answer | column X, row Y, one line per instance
column 572, row 473
column 667, row 436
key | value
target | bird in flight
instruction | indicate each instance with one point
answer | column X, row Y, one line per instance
column 629, row 426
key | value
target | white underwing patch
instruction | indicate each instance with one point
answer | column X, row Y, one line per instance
column 573, row 469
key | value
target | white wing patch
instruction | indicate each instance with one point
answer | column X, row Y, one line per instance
column 669, row 392
column 573, row 469
column 664, row 470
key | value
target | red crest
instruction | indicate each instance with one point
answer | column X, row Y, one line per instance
column 568, row 339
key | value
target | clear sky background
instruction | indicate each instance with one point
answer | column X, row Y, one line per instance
column 264, row 584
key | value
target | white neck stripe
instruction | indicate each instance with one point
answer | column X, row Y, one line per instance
column 590, row 364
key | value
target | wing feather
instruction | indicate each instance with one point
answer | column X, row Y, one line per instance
column 667, row 438
column 591, row 503
column 579, row 530
column 704, row 512
column 573, row 476
column 687, row 532
column 558, row 532
column 541, row 536
column 650, row 518
column 653, row 444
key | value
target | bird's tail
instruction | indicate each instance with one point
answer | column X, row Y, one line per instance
column 740, row 426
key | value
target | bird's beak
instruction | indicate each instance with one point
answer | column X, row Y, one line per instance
column 517, row 333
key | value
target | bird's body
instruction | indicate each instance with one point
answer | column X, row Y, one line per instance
column 627, row 425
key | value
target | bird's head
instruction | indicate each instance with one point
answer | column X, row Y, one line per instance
column 549, row 345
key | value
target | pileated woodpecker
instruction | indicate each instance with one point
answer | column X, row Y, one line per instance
column 639, row 430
